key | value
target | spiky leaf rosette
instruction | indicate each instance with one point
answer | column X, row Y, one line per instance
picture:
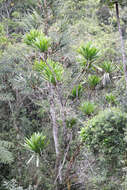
column 36, row 143
column 77, row 90
column 88, row 108
column 88, row 52
column 93, row 80
column 107, row 67
column 50, row 70
column 37, row 39
column 31, row 36
column 42, row 43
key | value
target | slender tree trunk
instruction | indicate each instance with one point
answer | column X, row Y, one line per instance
column 62, row 113
column 55, row 133
column 122, row 43
column 55, row 127
column 46, row 17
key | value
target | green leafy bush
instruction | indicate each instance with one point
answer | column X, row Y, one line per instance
column 88, row 108
column 93, row 80
column 104, row 134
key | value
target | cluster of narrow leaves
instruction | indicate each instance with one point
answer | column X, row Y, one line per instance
column 70, row 122
column 107, row 67
column 50, row 70
column 77, row 90
column 31, row 37
column 88, row 52
column 36, row 143
column 38, row 40
column 88, row 108
column 93, row 80
column 110, row 98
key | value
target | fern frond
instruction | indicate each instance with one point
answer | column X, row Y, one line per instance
column 6, row 156
column 6, row 144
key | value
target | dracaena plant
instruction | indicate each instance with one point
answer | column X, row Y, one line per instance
column 77, row 90
column 36, row 144
column 38, row 40
column 111, row 99
column 31, row 36
column 107, row 67
column 89, row 53
column 50, row 70
column 88, row 108
column 93, row 80
column 42, row 43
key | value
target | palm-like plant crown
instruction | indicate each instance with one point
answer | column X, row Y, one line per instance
column 93, row 80
column 38, row 40
column 88, row 52
column 50, row 70
column 36, row 143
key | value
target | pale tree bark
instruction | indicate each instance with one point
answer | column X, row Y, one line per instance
column 45, row 17
column 55, row 132
column 62, row 112
column 122, row 43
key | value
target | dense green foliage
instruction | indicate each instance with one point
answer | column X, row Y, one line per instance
column 61, row 71
column 104, row 134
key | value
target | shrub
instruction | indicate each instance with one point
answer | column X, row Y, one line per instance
column 6, row 156
column 104, row 134
column 13, row 185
